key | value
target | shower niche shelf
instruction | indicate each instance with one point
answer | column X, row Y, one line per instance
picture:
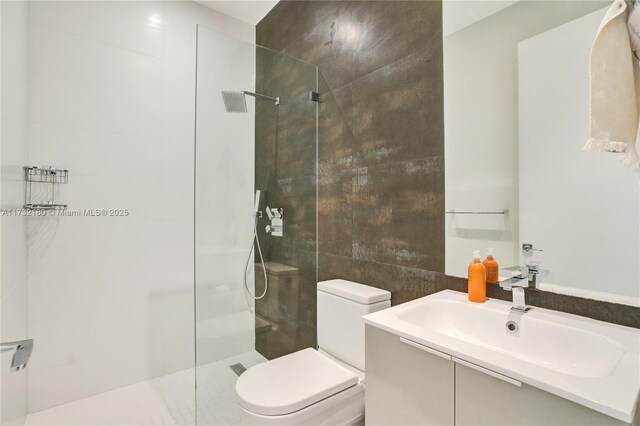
column 41, row 183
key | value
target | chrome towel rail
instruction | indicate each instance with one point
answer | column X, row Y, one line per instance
column 476, row 212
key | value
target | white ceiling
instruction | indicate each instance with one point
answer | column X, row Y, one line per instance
column 251, row 11
column 458, row 14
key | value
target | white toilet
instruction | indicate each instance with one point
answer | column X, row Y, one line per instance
column 316, row 387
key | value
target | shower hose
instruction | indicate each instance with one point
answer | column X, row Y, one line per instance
column 246, row 266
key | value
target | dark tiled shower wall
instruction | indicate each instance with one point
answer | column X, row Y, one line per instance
column 285, row 172
column 380, row 137
column 381, row 148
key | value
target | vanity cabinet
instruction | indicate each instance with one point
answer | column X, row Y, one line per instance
column 411, row 384
column 406, row 384
column 484, row 397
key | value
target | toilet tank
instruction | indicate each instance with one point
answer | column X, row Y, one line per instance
column 341, row 305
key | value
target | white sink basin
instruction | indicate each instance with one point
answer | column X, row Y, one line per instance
column 590, row 362
column 561, row 347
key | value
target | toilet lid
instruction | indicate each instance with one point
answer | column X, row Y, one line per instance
column 292, row 382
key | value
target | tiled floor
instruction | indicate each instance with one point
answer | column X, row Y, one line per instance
column 168, row 400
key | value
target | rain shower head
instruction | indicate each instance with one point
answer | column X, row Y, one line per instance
column 235, row 101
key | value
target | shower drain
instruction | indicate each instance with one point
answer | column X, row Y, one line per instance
column 238, row 368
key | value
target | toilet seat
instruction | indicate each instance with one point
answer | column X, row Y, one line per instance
column 292, row 382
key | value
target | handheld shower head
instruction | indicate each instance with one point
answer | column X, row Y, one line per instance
column 256, row 202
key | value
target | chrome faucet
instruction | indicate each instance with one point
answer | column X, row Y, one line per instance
column 528, row 276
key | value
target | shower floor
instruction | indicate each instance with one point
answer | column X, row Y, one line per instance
column 167, row 400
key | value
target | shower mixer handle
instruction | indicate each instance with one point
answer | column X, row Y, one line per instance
column 276, row 226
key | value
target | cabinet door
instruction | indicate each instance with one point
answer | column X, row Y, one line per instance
column 487, row 398
column 406, row 383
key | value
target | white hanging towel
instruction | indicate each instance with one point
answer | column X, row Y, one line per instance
column 614, row 84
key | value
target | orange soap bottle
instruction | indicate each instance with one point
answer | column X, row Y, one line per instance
column 492, row 267
column 477, row 279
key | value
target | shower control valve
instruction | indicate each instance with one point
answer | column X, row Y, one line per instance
column 276, row 227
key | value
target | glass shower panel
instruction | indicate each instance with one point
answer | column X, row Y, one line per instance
column 255, row 174
column 285, row 171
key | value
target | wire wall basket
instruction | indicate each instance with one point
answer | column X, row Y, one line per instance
column 45, row 174
column 41, row 185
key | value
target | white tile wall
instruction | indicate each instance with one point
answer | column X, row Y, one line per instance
column 13, row 231
column 112, row 99
column 224, row 198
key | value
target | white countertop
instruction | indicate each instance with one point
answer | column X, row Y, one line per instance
column 593, row 363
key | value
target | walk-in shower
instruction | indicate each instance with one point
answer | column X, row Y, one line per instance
column 234, row 101
column 112, row 309
column 255, row 172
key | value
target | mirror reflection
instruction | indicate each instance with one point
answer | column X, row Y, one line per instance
column 516, row 78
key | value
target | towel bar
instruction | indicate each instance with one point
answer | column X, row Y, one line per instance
column 476, row 212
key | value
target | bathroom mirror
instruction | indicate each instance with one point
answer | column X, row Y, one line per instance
column 516, row 119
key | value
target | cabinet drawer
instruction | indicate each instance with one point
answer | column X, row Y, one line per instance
column 484, row 397
column 407, row 383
